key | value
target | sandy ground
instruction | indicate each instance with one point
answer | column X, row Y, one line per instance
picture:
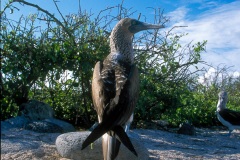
column 207, row 144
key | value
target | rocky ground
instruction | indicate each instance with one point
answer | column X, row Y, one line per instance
column 19, row 144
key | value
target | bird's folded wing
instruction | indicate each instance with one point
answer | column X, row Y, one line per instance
column 97, row 87
column 123, row 138
column 129, row 94
column 231, row 116
column 114, row 108
column 118, row 96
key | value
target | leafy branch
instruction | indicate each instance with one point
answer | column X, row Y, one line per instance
column 50, row 15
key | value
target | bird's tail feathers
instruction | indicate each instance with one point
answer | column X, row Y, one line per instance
column 123, row 138
column 94, row 135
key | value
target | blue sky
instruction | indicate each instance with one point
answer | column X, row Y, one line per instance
column 216, row 21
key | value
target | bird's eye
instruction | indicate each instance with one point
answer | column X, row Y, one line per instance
column 134, row 22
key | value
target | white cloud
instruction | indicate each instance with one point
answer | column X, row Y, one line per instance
column 208, row 4
column 181, row 13
column 220, row 27
column 236, row 74
column 217, row 75
column 208, row 77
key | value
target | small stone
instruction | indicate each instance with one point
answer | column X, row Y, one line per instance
column 69, row 146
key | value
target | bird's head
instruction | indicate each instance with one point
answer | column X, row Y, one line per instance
column 133, row 26
column 222, row 101
column 122, row 34
column 223, row 95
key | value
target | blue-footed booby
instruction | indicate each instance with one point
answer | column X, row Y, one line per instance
column 227, row 117
column 115, row 88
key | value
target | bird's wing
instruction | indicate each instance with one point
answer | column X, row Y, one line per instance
column 128, row 94
column 231, row 116
column 97, row 89
column 121, row 106
column 115, row 94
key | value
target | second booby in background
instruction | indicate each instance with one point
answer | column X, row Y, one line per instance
column 227, row 117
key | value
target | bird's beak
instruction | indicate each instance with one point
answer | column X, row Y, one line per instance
column 144, row 26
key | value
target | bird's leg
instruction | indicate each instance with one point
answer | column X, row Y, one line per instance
column 127, row 127
column 229, row 133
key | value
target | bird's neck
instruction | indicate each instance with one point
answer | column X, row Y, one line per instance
column 221, row 104
column 121, row 44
